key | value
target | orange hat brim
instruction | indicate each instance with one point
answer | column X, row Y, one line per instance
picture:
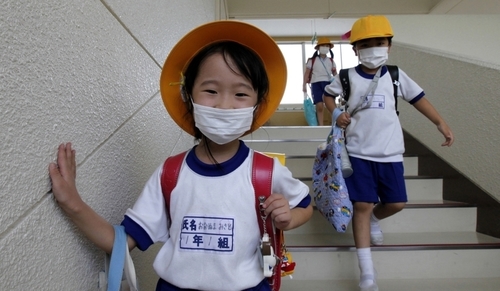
column 226, row 30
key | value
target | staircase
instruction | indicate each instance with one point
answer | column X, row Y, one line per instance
column 431, row 245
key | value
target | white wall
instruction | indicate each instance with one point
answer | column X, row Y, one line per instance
column 457, row 61
column 471, row 38
column 85, row 72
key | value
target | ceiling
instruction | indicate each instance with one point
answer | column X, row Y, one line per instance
column 300, row 19
column 325, row 9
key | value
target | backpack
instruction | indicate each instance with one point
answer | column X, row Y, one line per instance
column 262, row 172
column 346, row 85
column 313, row 58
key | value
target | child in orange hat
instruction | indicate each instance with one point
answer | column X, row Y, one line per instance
column 221, row 81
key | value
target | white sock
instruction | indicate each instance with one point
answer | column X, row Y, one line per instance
column 374, row 225
column 366, row 267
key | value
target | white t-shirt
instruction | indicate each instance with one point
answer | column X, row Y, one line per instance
column 375, row 133
column 213, row 239
column 321, row 73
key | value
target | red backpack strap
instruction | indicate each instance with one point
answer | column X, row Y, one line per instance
column 169, row 176
column 262, row 177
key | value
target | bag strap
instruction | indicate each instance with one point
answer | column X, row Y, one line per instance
column 366, row 100
column 313, row 58
column 312, row 66
column 394, row 72
column 346, row 86
column 169, row 176
column 117, row 260
column 262, row 177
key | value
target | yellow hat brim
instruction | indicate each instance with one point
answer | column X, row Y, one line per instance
column 226, row 30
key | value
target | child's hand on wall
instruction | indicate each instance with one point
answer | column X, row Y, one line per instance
column 63, row 176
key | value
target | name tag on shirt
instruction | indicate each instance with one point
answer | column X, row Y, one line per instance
column 207, row 233
column 378, row 102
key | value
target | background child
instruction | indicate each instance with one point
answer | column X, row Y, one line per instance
column 319, row 72
column 374, row 138
column 215, row 86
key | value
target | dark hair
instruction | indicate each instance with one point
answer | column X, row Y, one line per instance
column 389, row 39
column 247, row 62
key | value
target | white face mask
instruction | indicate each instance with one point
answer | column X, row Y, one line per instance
column 222, row 125
column 373, row 57
column 323, row 50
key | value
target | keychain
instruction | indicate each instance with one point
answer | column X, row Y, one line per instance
column 269, row 259
column 287, row 263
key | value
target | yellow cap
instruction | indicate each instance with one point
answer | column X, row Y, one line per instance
column 323, row 40
column 371, row 26
column 226, row 30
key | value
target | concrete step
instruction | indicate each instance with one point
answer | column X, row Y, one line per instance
column 405, row 264
column 301, row 166
column 418, row 216
column 394, row 241
column 288, row 132
column 417, row 188
column 439, row 284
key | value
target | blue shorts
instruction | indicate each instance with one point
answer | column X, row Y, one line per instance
column 317, row 90
column 376, row 182
column 165, row 286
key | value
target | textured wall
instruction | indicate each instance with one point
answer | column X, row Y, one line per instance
column 85, row 72
column 467, row 96
column 456, row 59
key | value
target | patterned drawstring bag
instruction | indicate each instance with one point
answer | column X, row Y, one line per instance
column 330, row 192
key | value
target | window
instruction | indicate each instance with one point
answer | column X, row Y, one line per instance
column 296, row 55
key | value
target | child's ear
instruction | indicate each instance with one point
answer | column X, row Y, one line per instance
column 355, row 51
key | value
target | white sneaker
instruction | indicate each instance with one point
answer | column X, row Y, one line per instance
column 368, row 283
column 376, row 238
column 372, row 287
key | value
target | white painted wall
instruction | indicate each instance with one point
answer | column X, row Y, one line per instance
column 456, row 59
column 472, row 38
column 85, row 72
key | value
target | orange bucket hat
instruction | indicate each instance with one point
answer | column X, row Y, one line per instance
column 226, row 30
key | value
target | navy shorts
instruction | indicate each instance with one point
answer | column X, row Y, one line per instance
column 317, row 90
column 376, row 182
column 165, row 286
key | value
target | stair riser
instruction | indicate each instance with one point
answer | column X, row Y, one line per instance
column 302, row 167
column 289, row 132
column 417, row 189
column 410, row 220
column 399, row 264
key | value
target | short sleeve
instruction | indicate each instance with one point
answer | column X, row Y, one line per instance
column 149, row 211
column 283, row 182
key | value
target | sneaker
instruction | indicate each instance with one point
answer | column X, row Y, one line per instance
column 372, row 287
column 368, row 283
column 376, row 238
